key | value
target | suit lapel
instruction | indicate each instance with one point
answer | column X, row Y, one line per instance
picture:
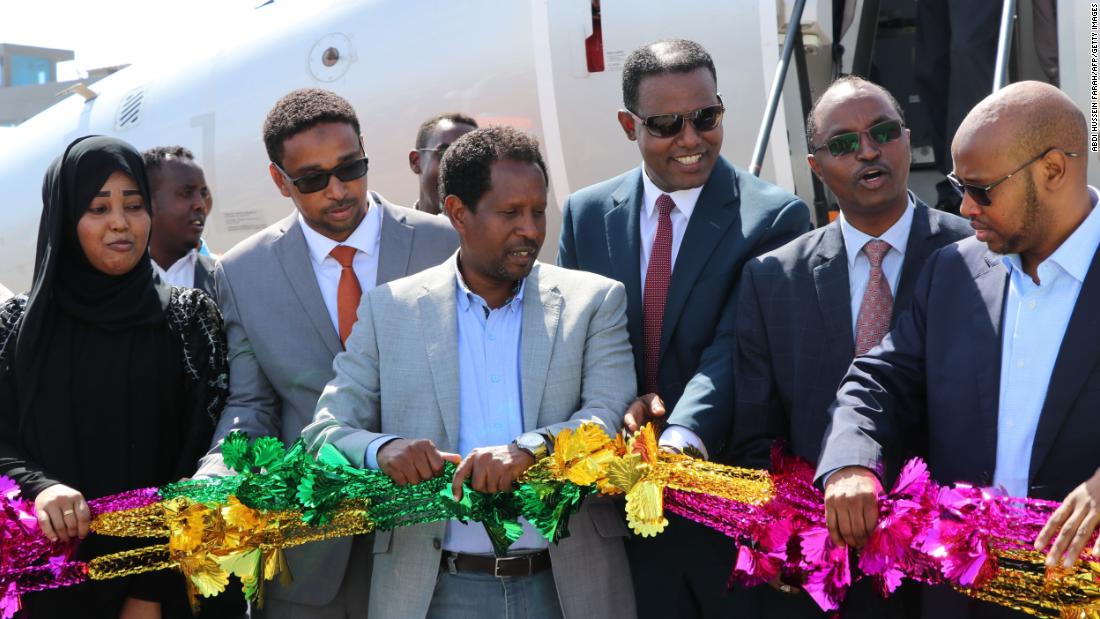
column 293, row 255
column 716, row 210
column 621, row 225
column 1076, row 361
column 830, row 271
column 919, row 246
column 204, row 273
column 541, row 312
column 991, row 282
column 438, row 313
column 395, row 242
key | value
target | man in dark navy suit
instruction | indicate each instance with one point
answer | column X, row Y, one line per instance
column 676, row 231
column 996, row 363
column 808, row 308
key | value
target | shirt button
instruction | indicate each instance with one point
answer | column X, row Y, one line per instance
column 492, row 338
column 1010, row 425
column 495, row 378
column 1020, row 363
column 1031, row 304
column 437, row 544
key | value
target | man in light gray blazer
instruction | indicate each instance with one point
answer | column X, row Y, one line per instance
column 285, row 302
column 488, row 355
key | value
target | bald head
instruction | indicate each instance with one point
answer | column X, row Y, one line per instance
column 1032, row 116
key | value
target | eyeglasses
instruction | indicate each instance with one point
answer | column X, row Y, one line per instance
column 438, row 150
column 980, row 193
column 846, row 143
column 316, row 181
column 668, row 125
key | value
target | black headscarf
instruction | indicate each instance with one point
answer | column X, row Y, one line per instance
column 94, row 353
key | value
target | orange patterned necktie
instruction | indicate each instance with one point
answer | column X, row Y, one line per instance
column 348, row 292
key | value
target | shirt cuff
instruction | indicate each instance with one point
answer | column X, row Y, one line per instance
column 370, row 458
column 679, row 437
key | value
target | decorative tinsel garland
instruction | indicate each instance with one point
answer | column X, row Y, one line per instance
column 962, row 536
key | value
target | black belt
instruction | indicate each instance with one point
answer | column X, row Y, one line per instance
column 519, row 565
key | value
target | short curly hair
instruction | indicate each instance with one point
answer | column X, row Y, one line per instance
column 429, row 125
column 300, row 110
column 467, row 165
column 157, row 155
column 659, row 58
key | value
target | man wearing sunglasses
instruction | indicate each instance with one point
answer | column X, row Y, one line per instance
column 289, row 295
column 676, row 231
column 432, row 140
column 808, row 308
column 996, row 363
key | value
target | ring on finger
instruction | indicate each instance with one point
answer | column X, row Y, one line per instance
column 785, row 588
column 68, row 512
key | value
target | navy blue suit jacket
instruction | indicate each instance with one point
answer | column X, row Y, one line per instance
column 940, row 369
column 737, row 217
column 794, row 333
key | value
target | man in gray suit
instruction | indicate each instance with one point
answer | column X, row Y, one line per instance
column 488, row 355
column 804, row 312
column 289, row 294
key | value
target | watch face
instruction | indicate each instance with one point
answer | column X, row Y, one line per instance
column 531, row 442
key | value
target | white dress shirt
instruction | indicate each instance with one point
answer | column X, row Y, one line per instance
column 1035, row 321
column 685, row 200
column 182, row 271
column 674, row 436
column 859, row 267
column 365, row 238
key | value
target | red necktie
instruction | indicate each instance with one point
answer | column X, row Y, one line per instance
column 348, row 292
column 878, row 301
column 657, row 276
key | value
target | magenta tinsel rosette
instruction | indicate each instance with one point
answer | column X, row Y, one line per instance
column 28, row 560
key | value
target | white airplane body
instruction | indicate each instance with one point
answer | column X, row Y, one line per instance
column 516, row 62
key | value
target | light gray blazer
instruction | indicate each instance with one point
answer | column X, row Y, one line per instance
column 281, row 346
column 400, row 376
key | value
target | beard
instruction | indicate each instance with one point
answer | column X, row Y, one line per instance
column 1030, row 224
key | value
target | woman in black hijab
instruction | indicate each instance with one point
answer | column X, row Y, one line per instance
column 109, row 379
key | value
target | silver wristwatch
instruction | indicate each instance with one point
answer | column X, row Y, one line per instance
column 534, row 444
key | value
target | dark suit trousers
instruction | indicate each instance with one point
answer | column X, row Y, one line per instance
column 683, row 571
column 862, row 602
column 956, row 52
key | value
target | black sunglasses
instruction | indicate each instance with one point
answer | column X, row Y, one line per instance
column 316, row 181
column 846, row 143
column 668, row 125
column 980, row 193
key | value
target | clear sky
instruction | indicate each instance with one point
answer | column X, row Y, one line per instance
column 111, row 32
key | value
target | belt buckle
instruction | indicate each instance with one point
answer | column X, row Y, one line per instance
column 499, row 561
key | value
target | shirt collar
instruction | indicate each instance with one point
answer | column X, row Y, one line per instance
column 685, row 199
column 364, row 238
column 897, row 235
column 467, row 296
column 1075, row 254
column 188, row 258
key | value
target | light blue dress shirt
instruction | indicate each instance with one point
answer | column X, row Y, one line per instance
column 490, row 399
column 1035, row 320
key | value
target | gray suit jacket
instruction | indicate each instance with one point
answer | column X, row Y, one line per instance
column 400, row 376
column 281, row 347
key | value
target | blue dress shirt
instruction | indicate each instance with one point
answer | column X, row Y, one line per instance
column 1035, row 320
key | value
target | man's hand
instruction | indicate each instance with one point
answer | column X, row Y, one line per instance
column 1074, row 521
column 62, row 513
column 851, row 505
column 411, row 462
column 778, row 584
column 491, row 469
column 647, row 408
